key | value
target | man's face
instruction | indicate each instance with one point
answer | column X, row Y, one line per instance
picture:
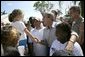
column 73, row 13
column 46, row 21
column 37, row 23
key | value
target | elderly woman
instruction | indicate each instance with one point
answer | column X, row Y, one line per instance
column 9, row 40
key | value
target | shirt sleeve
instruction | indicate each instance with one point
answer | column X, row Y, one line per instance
column 77, row 50
column 74, row 33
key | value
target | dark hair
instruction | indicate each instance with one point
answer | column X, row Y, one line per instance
column 75, row 8
column 10, row 17
column 31, row 20
column 64, row 30
column 14, row 13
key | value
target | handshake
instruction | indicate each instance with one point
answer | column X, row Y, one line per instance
column 39, row 41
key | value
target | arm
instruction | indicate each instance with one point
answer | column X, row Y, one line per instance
column 31, row 36
column 34, row 39
column 71, row 42
column 73, row 38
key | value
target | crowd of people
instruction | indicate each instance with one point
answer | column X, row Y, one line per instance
column 51, row 36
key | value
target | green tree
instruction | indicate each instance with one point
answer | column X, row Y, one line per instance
column 43, row 6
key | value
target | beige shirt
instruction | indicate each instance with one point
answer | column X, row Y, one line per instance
column 76, row 26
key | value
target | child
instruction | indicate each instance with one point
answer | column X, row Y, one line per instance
column 16, row 18
column 63, row 33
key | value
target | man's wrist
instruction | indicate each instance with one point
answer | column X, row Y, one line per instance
column 72, row 41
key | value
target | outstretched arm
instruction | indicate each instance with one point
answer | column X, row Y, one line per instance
column 34, row 39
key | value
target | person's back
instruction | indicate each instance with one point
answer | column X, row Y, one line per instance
column 19, row 25
column 63, row 33
column 57, row 46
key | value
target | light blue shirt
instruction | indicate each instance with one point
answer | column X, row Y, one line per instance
column 56, row 45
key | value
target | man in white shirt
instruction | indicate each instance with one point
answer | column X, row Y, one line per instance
column 48, row 32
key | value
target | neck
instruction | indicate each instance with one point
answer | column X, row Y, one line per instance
column 49, row 25
column 39, row 27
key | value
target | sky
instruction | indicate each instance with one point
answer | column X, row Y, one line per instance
column 28, row 9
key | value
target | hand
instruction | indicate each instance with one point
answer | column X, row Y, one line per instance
column 69, row 46
column 36, row 40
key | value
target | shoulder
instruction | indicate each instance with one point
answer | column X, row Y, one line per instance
column 77, row 46
column 77, row 50
column 21, row 22
column 17, row 22
column 55, row 44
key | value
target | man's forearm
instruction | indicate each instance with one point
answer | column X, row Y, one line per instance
column 73, row 38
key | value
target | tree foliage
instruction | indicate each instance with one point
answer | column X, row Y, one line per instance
column 43, row 6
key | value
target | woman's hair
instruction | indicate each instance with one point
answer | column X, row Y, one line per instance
column 14, row 13
column 9, row 36
column 63, row 30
